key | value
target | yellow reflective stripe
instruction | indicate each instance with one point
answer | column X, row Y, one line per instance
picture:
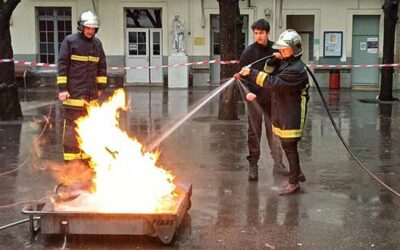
column 79, row 58
column 290, row 133
column 101, row 79
column 260, row 78
column 269, row 69
column 303, row 107
column 65, row 122
column 94, row 58
column 295, row 133
column 74, row 102
column 85, row 58
column 61, row 80
column 79, row 102
column 75, row 156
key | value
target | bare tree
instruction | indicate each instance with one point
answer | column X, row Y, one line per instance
column 230, row 31
column 390, row 10
column 10, row 108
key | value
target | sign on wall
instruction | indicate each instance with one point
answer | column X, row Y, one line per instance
column 372, row 45
column 333, row 43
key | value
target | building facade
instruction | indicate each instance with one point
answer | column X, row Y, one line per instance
column 138, row 33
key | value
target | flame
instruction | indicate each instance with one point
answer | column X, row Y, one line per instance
column 126, row 179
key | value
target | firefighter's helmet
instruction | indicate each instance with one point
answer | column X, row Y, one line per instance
column 88, row 19
column 289, row 38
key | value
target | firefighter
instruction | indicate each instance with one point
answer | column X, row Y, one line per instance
column 262, row 47
column 289, row 102
column 82, row 75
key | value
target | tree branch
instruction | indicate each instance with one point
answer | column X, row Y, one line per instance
column 9, row 7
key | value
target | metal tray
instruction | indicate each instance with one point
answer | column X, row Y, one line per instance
column 161, row 225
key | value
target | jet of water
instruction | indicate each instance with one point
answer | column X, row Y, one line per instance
column 202, row 102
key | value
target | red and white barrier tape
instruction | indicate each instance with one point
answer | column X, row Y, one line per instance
column 34, row 64
column 349, row 66
column 313, row 66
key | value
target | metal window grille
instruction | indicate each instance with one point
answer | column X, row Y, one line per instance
column 54, row 23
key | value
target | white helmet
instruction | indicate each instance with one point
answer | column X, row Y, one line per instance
column 88, row 19
column 289, row 39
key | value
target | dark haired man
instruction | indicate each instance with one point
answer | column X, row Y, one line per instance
column 262, row 47
column 289, row 103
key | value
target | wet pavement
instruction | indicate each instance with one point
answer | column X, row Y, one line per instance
column 339, row 206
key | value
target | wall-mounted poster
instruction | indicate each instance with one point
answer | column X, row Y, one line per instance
column 333, row 43
column 372, row 45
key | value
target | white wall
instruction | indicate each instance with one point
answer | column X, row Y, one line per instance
column 332, row 16
column 329, row 15
column 23, row 28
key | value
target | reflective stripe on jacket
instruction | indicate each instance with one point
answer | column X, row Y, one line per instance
column 82, row 69
column 289, row 101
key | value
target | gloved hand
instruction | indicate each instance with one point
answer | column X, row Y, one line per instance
column 62, row 96
column 236, row 76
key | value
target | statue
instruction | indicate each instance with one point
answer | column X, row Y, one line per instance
column 178, row 36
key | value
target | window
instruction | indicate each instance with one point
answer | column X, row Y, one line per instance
column 137, row 43
column 54, row 23
column 143, row 18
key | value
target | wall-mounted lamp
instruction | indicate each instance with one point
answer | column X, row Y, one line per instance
column 267, row 13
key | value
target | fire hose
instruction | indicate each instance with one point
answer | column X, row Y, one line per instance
column 363, row 167
column 16, row 223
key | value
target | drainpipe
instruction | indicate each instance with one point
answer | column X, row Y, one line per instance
column 280, row 3
column 95, row 5
column 203, row 16
column 189, row 14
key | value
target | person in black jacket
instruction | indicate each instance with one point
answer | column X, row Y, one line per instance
column 82, row 75
column 289, row 102
column 262, row 47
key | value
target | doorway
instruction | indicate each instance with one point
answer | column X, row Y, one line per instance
column 143, row 45
column 365, row 49
column 304, row 25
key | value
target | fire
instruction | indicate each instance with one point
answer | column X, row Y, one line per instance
column 127, row 179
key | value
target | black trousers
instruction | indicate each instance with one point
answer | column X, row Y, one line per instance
column 70, row 141
column 256, row 112
column 290, row 148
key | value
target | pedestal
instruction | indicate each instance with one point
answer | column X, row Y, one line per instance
column 178, row 77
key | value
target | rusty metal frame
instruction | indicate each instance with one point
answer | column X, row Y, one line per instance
column 161, row 225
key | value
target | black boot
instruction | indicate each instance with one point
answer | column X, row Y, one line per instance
column 253, row 172
column 301, row 177
column 281, row 169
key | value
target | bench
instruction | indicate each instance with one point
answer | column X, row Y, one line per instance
column 47, row 76
column 200, row 74
column 22, row 72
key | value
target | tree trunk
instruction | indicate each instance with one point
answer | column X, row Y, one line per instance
column 230, row 30
column 390, row 9
column 10, row 108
